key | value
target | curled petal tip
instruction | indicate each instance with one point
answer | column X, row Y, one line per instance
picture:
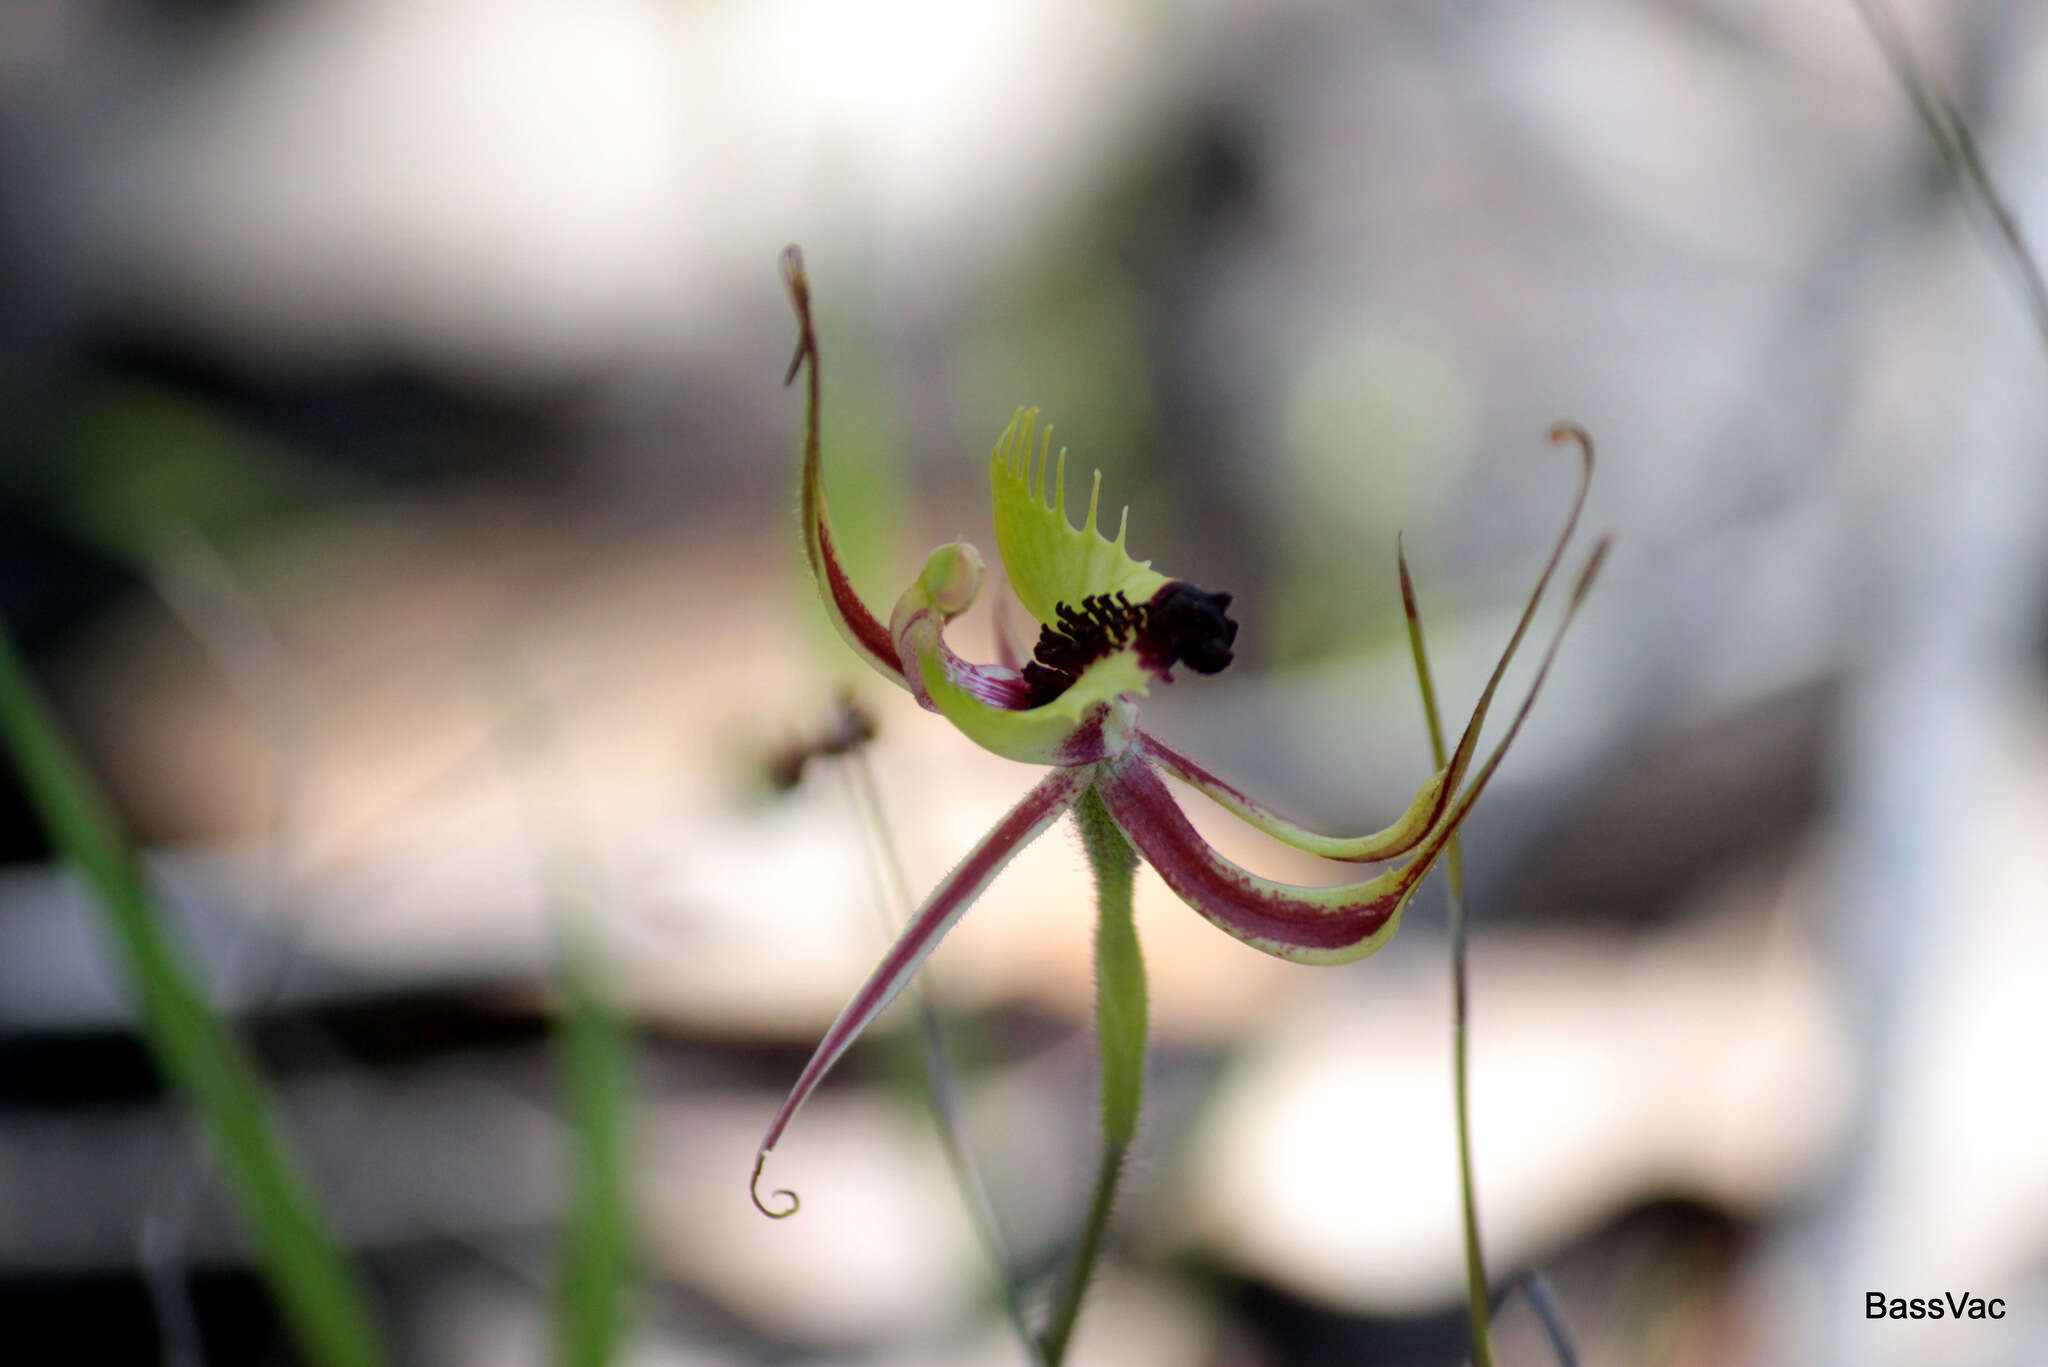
column 795, row 1202
column 951, row 579
column 1562, row 432
column 799, row 287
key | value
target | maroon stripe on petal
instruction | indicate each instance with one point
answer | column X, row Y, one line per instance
column 1246, row 907
column 1188, row 770
column 864, row 628
column 1200, row 777
column 856, row 623
column 1468, row 740
column 1319, row 923
column 954, row 894
column 993, row 684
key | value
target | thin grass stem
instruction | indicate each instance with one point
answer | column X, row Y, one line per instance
column 1476, row 1281
column 1956, row 146
column 316, row 1286
column 596, row 1259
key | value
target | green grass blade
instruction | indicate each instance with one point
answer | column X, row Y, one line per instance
column 596, row 1264
column 316, row 1287
column 596, row 1269
column 1478, row 1307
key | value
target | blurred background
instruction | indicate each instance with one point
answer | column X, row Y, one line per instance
column 399, row 501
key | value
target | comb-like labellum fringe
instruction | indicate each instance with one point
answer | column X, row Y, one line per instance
column 1048, row 559
column 1305, row 924
column 1024, row 823
column 861, row 628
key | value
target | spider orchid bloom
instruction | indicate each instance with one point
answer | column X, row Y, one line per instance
column 1110, row 628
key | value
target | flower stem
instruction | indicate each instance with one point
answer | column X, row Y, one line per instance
column 1454, row 875
column 1120, row 1024
column 1468, row 1191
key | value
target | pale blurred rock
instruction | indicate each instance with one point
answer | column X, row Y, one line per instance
column 1707, row 1063
column 880, row 1250
column 526, row 190
column 1957, row 1198
column 504, row 711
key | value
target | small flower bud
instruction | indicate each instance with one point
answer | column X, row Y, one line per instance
column 951, row 578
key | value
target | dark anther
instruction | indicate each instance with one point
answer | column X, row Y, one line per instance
column 1077, row 638
column 1180, row 624
column 1184, row 625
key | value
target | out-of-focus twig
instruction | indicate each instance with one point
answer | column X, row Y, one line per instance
column 1536, row 1287
column 1461, row 1086
column 1957, row 147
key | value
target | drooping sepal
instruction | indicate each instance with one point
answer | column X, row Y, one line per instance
column 1049, row 560
column 1306, row 924
column 1390, row 842
column 947, row 903
column 1432, row 800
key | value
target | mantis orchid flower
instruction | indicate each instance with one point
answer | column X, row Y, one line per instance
column 1111, row 627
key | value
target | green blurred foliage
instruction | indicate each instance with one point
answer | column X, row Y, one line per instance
column 1376, row 427
column 1065, row 338
column 138, row 462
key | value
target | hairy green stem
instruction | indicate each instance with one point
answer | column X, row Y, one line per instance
column 1120, row 1024
column 1468, row 1189
column 1454, row 874
column 1060, row 1331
